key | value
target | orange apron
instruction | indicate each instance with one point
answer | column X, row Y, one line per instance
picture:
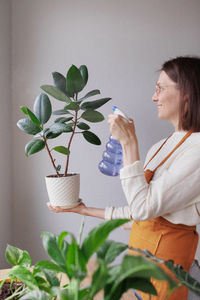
column 165, row 240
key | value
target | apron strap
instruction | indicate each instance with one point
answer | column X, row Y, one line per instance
column 148, row 173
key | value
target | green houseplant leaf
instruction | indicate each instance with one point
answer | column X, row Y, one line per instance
column 92, row 116
column 75, row 81
column 91, row 137
column 90, row 94
column 94, row 104
column 98, row 235
column 16, row 256
column 72, row 106
column 42, row 108
column 28, row 126
column 51, row 245
column 59, row 81
column 184, row 277
column 48, row 265
column 84, row 73
column 110, row 250
column 31, row 115
column 61, row 112
column 62, row 149
column 24, row 275
column 63, row 119
column 141, row 284
column 98, row 279
column 60, row 128
column 134, row 271
column 34, row 146
column 56, row 93
column 36, row 295
column 83, row 126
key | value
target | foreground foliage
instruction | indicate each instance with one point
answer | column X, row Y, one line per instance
column 70, row 257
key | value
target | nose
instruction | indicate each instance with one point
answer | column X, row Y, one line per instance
column 155, row 97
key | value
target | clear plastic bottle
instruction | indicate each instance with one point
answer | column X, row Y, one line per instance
column 113, row 155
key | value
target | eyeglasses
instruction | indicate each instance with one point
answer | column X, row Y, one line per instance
column 160, row 89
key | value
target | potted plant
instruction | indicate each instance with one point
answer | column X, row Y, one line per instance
column 69, row 257
column 63, row 188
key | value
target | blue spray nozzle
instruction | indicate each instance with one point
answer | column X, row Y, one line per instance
column 114, row 107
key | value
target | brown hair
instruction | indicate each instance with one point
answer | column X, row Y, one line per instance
column 185, row 72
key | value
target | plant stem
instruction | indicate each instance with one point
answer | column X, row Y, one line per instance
column 69, row 143
column 81, row 231
column 76, row 289
column 49, row 152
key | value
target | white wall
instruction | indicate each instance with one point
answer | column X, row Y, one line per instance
column 5, row 130
column 123, row 43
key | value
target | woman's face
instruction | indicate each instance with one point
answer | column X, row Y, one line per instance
column 167, row 97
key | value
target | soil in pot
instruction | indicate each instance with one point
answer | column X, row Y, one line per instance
column 7, row 290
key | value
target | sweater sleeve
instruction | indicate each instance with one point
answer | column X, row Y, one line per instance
column 176, row 188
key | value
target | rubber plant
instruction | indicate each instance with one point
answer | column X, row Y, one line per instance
column 69, row 257
column 72, row 115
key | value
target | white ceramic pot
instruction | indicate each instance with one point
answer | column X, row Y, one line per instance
column 63, row 191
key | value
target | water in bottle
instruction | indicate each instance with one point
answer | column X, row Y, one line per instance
column 113, row 155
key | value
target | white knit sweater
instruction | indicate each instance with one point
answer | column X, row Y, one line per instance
column 173, row 193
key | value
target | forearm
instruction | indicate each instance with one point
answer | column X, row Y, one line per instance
column 130, row 152
column 91, row 212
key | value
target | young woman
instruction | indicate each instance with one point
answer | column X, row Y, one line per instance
column 163, row 196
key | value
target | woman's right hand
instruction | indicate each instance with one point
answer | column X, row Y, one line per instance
column 79, row 209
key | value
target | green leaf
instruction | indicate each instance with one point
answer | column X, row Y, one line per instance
column 51, row 135
column 140, row 267
column 51, row 246
column 59, row 81
column 60, row 128
column 16, row 256
column 63, row 119
column 92, row 116
column 72, row 106
column 98, row 235
column 90, row 94
column 110, row 250
column 56, row 93
column 62, row 149
column 51, row 278
column 32, row 116
column 61, row 112
column 98, row 279
column 75, row 262
column 94, row 104
column 24, row 275
column 36, row 295
column 143, row 285
column 184, row 277
column 24, row 109
column 61, row 237
column 28, row 126
column 83, row 126
column 48, row 265
column 34, row 146
column 75, row 82
column 84, row 73
column 91, row 137
column 42, row 108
